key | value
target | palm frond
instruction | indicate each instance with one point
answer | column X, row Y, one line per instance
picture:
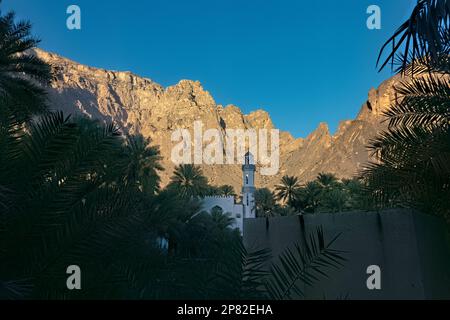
column 23, row 75
column 15, row 289
column 303, row 265
column 423, row 102
column 420, row 36
column 242, row 274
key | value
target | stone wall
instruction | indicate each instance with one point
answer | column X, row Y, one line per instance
column 411, row 249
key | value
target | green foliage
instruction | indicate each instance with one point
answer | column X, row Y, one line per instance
column 413, row 167
column 265, row 203
column 224, row 191
column 422, row 40
column 327, row 180
column 251, row 276
column 308, row 198
column 223, row 220
column 69, row 202
column 76, row 195
column 303, row 266
column 21, row 74
column 77, row 192
column 334, row 200
column 287, row 189
column 325, row 194
column 143, row 168
column 188, row 181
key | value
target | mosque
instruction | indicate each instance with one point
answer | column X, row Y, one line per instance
column 239, row 211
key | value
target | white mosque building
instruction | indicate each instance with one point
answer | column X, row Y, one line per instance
column 238, row 211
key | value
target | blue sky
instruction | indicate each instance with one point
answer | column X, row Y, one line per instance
column 304, row 62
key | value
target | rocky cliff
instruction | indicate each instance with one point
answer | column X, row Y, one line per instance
column 139, row 105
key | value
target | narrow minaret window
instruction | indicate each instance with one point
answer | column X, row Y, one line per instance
column 246, row 179
column 247, row 201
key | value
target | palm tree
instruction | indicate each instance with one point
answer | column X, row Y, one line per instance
column 222, row 219
column 227, row 191
column 72, row 197
column 422, row 40
column 75, row 191
column 283, row 211
column 308, row 198
column 188, row 181
column 265, row 202
column 143, row 168
column 223, row 191
column 356, row 193
column 67, row 201
column 326, row 180
column 414, row 153
column 21, row 73
column 287, row 189
column 334, row 200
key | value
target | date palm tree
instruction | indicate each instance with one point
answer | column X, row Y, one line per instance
column 73, row 199
column 287, row 189
column 326, row 180
column 188, row 180
column 74, row 191
column 334, row 200
column 414, row 153
column 422, row 40
column 144, row 164
column 21, row 73
column 221, row 219
column 265, row 202
column 308, row 198
column 227, row 191
column 68, row 202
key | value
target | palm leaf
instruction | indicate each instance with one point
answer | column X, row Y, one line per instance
column 421, row 37
column 423, row 102
column 303, row 265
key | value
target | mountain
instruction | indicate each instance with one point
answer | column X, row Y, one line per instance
column 140, row 105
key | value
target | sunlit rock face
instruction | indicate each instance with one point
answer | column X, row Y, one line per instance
column 140, row 105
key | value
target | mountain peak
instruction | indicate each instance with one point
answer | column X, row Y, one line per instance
column 139, row 105
column 260, row 119
column 323, row 128
column 192, row 91
column 189, row 84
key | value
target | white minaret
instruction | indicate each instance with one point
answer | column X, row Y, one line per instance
column 248, row 187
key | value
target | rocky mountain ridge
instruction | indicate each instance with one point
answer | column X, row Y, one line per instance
column 140, row 105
